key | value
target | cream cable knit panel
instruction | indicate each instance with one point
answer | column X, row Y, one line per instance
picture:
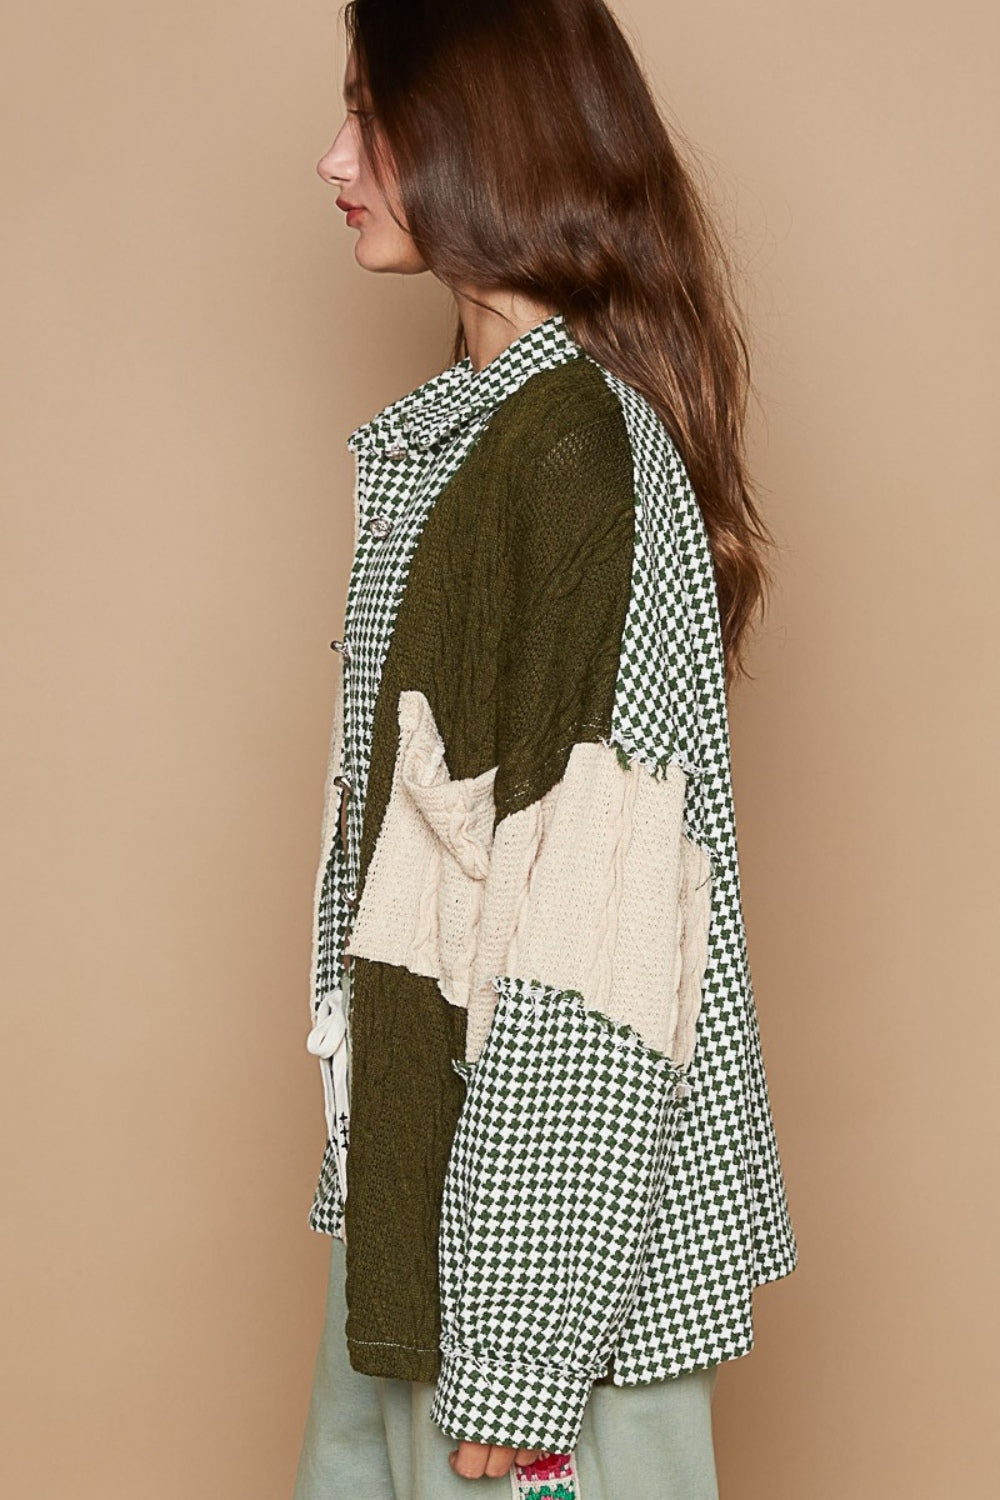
column 420, row 903
column 594, row 887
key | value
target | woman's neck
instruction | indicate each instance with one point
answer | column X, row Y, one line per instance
column 489, row 330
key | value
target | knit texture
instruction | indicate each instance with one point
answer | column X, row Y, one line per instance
column 444, row 899
column 422, row 901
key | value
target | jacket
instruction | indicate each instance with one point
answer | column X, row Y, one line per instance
column 550, row 1149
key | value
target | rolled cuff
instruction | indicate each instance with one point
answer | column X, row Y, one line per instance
column 481, row 1400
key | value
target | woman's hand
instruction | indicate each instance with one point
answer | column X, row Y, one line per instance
column 488, row 1460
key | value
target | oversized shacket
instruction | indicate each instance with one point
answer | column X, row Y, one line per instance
column 550, row 1148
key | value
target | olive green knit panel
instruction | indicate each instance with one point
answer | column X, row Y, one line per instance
column 405, row 1103
column 511, row 626
column 514, row 608
column 565, row 590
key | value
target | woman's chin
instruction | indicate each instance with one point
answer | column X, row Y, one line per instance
column 373, row 258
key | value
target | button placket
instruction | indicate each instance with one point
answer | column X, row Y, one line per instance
column 380, row 523
column 345, row 784
column 368, row 479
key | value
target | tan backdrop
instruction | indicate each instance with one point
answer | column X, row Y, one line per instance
column 188, row 341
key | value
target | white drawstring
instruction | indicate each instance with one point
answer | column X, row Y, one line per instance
column 328, row 1041
column 330, row 1029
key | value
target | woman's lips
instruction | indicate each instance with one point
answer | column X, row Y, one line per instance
column 352, row 210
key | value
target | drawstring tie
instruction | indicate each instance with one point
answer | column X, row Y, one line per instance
column 328, row 1041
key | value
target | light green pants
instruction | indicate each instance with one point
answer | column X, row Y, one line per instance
column 371, row 1436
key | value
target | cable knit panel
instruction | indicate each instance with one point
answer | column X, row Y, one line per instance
column 423, row 893
column 595, row 887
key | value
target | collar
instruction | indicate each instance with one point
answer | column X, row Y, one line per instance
column 459, row 394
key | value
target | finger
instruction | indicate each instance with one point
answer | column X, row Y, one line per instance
column 499, row 1461
column 526, row 1456
column 469, row 1459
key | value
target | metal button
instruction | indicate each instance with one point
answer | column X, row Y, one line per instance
column 343, row 647
column 379, row 526
column 396, row 452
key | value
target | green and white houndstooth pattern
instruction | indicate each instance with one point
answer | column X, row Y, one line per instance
column 722, row 1224
column 554, row 1183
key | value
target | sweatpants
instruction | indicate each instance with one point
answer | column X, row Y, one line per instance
column 372, row 1436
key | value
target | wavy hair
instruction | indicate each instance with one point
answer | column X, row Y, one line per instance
column 526, row 153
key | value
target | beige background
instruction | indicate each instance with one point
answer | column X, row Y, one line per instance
column 187, row 343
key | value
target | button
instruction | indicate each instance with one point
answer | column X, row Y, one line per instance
column 681, row 1090
column 396, row 452
column 379, row 526
column 343, row 647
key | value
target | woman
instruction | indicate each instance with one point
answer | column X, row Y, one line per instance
column 551, row 1178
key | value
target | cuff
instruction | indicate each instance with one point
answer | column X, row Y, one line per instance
column 479, row 1400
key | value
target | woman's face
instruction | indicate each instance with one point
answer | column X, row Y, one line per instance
column 381, row 244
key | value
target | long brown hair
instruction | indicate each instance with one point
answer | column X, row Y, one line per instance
column 527, row 153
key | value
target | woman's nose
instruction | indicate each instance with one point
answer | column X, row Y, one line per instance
column 337, row 163
column 325, row 167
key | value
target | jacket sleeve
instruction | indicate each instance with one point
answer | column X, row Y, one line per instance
column 589, row 953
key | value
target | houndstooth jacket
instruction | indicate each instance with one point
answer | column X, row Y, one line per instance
column 562, row 913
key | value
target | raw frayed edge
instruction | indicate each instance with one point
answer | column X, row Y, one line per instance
column 658, row 767
column 537, row 989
